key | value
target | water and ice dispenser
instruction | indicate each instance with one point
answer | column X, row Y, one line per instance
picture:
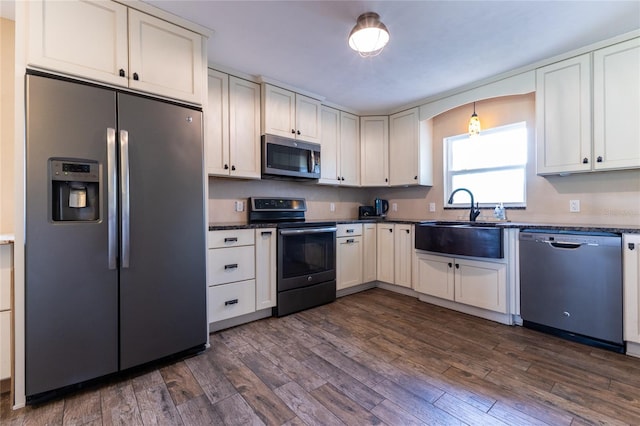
column 75, row 190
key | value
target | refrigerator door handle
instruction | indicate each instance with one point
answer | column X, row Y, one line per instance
column 124, row 198
column 112, row 201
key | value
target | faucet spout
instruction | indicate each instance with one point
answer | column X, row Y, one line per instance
column 473, row 212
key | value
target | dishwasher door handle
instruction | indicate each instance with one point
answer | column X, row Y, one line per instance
column 564, row 244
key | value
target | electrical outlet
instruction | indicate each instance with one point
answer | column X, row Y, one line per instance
column 432, row 207
column 332, row 207
column 394, row 207
column 574, row 206
column 239, row 206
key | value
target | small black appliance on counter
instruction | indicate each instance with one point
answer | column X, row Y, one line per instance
column 366, row 212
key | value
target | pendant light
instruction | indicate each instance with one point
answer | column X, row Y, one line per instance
column 369, row 36
column 474, row 123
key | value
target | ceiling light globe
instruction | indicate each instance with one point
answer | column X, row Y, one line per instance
column 369, row 36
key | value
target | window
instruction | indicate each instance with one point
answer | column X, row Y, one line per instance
column 491, row 165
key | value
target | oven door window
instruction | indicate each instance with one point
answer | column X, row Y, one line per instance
column 307, row 254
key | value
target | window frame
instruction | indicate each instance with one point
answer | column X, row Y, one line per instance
column 448, row 175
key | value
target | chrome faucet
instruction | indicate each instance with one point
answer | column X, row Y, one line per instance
column 473, row 212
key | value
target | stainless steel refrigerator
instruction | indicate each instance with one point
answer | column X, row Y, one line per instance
column 115, row 232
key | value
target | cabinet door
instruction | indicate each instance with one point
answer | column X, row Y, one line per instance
column 85, row 39
column 563, row 116
column 329, row 144
column 278, row 111
column 481, row 284
column 5, row 344
column 244, row 128
column 349, row 262
column 165, row 58
column 616, row 106
column 403, row 252
column 631, row 280
column 266, row 258
column 385, row 253
column 435, row 276
column 403, row 148
column 308, row 127
column 369, row 244
column 374, row 151
column 217, row 131
column 349, row 170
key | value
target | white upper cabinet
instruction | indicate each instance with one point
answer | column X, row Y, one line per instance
column 587, row 111
column 233, row 127
column 563, row 116
column 374, row 151
column 349, row 149
column 81, row 38
column 616, row 106
column 340, row 148
column 290, row 115
column 164, row 58
column 108, row 42
column 410, row 156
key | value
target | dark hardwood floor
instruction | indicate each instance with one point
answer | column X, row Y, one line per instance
column 376, row 357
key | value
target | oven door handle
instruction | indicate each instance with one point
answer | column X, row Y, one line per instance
column 308, row 231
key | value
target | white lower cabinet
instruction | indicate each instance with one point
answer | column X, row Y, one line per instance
column 266, row 258
column 242, row 272
column 6, row 284
column 394, row 253
column 482, row 284
column 349, row 251
column 631, row 281
column 369, row 245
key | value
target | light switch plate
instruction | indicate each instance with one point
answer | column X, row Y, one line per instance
column 394, row 207
column 432, row 207
column 574, row 206
column 332, row 207
column 239, row 206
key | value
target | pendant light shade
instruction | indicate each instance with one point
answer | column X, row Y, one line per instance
column 369, row 36
column 474, row 123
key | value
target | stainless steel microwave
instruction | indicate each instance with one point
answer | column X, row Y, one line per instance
column 289, row 158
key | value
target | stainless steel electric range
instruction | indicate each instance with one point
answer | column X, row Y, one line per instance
column 306, row 268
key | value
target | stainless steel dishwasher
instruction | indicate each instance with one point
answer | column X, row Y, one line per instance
column 571, row 285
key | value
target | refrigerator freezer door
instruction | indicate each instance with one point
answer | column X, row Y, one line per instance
column 71, row 294
column 163, row 290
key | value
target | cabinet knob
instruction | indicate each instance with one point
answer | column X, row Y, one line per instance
column 135, row 76
column 293, row 131
column 585, row 160
column 342, row 178
column 450, row 264
column 298, row 132
column 407, row 231
column 457, row 266
column 599, row 159
column 233, row 167
column 632, row 246
column 415, row 178
column 386, row 179
column 121, row 73
column 226, row 167
column 390, row 229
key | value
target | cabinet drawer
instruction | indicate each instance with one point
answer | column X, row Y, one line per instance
column 231, row 238
column 231, row 300
column 232, row 264
column 349, row 230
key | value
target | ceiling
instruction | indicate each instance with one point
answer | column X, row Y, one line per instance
column 435, row 46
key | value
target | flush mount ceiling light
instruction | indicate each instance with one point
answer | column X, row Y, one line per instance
column 474, row 123
column 369, row 36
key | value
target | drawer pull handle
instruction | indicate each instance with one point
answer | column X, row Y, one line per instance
column 231, row 240
column 350, row 241
column 266, row 233
column 231, row 266
column 231, row 302
column 350, row 231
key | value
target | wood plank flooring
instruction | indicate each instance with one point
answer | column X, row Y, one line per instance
column 372, row 358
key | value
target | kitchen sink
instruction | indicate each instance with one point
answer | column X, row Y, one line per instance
column 477, row 239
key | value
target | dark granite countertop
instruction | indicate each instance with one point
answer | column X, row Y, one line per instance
column 619, row 229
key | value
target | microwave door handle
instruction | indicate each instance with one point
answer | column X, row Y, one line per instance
column 312, row 162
